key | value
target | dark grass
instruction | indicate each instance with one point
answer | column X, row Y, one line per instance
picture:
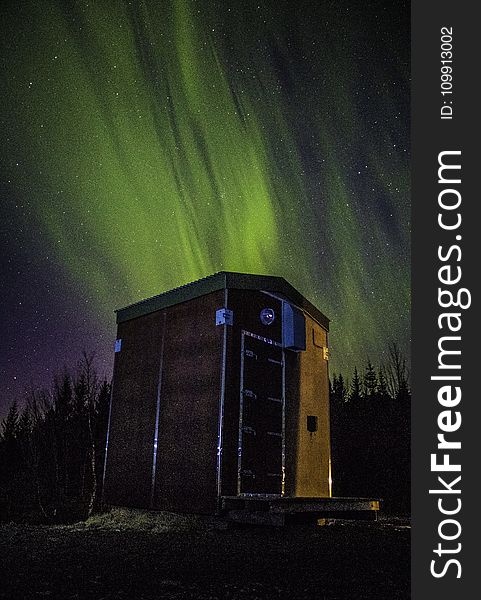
column 148, row 556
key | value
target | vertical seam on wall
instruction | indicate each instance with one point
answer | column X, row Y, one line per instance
column 157, row 415
column 241, row 417
column 221, row 405
column 107, row 440
column 329, row 423
column 283, row 450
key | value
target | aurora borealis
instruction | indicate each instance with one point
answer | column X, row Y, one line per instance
column 148, row 144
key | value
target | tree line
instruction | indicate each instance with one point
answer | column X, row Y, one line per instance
column 52, row 450
column 370, row 433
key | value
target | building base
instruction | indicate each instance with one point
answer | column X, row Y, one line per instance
column 278, row 511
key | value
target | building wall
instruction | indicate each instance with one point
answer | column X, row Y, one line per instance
column 186, row 478
column 307, row 393
column 313, row 451
column 310, row 451
column 130, row 447
column 246, row 306
column 172, row 358
column 179, row 348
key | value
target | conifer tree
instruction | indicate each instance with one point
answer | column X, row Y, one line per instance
column 382, row 389
column 339, row 389
column 355, row 394
column 10, row 424
column 370, row 383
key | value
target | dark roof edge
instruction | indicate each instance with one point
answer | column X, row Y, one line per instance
column 274, row 284
column 218, row 281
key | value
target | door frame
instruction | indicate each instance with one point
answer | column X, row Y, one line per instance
column 270, row 342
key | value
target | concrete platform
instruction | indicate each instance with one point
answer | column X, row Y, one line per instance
column 281, row 510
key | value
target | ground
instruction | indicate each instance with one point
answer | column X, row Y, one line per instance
column 135, row 556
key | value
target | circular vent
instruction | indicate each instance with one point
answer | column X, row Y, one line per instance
column 267, row 316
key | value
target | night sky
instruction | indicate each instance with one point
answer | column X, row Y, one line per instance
column 147, row 144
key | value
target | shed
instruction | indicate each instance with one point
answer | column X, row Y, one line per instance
column 220, row 392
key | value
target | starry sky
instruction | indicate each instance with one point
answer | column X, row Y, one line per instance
column 147, row 144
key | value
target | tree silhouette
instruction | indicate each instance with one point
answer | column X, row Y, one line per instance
column 355, row 393
column 50, row 453
column 339, row 389
column 10, row 425
column 370, row 433
column 370, row 382
column 382, row 390
column 396, row 373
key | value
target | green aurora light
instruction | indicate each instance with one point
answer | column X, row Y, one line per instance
column 171, row 140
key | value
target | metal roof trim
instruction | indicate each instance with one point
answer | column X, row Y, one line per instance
column 215, row 282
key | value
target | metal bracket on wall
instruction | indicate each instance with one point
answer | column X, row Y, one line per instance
column 224, row 316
